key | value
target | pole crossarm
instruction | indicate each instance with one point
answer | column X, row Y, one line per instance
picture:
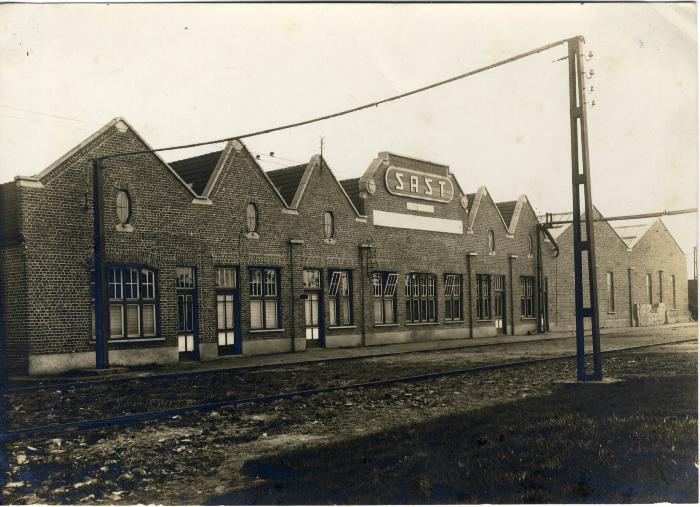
column 663, row 213
column 354, row 109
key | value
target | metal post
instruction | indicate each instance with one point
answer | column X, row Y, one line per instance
column 540, row 283
column 512, row 311
column 363, row 275
column 579, row 137
column 293, row 301
column 101, row 300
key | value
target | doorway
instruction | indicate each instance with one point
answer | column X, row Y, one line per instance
column 499, row 300
column 187, row 337
column 313, row 303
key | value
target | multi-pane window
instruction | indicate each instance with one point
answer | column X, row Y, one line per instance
column 328, row 225
column 264, row 298
column 610, row 281
column 384, row 292
column 673, row 290
column 453, row 297
column 420, row 297
column 650, row 299
column 226, row 284
column 251, row 217
column 340, row 298
column 132, row 302
column 483, row 297
column 312, row 279
column 499, row 283
column 527, row 300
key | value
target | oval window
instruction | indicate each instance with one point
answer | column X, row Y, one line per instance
column 492, row 242
column 328, row 225
column 252, row 218
column 123, row 207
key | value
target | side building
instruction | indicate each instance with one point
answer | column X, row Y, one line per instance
column 211, row 256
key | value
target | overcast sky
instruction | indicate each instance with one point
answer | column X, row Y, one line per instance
column 186, row 73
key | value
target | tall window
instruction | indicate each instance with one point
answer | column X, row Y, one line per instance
column 453, row 297
column 384, row 292
column 673, row 290
column 132, row 302
column 650, row 299
column 226, row 283
column 611, row 291
column 340, row 298
column 492, row 242
column 328, row 225
column 483, row 297
column 251, row 217
column 420, row 298
column 661, row 286
column 264, row 298
column 527, row 301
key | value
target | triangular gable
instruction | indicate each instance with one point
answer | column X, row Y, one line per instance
column 482, row 192
column 119, row 123
column 557, row 232
column 664, row 228
column 313, row 165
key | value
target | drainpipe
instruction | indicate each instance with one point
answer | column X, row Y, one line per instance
column 362, row 249
column 512, row 313
column 293, row 242
column 631, row 304
column 469, row 292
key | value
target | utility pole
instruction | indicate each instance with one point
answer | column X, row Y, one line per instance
column 101, row 299
column 581, row 177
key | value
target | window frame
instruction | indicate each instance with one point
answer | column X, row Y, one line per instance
column 338, row 299
column 144, row 298
column 453, row 281
column 492, row 241
column 527, row 297
column 483, row 307
column 673, row 291
column 328, row 221
column 420, row 295
column 387, row 283
column 610, row 284
column 255, row 215
column 234, row 292
column 125, row 193
column 264, row 297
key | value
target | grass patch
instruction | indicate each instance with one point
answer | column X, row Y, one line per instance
column 634, row 441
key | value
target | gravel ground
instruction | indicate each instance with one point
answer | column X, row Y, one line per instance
column 56, row 405
column 189, row 459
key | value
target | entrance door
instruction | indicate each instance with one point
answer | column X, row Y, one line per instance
column 312, row 308
column 187, row 342
column 500, row 315
column 227, row 312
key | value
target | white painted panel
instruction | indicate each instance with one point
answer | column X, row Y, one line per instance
column 403, row 221
column 416, row 206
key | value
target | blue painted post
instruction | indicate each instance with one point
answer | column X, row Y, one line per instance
column 101, row 302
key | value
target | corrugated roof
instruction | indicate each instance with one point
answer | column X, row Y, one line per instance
column 352, row 188
column 196, row 171
column 287, row 180
column 507, row 209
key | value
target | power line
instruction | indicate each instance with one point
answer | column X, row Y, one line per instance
column 42, row 122
column 352, row 110
column 621, row 217
column 47, row 114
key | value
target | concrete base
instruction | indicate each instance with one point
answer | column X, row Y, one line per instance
column 271, row 346
column 409, row 334
column 208, row 351
column 51, row 364
column 338, row 341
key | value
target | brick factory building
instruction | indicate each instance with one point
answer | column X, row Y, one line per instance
column 211, row 256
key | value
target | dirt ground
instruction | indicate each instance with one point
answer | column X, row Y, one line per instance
column 209, row 457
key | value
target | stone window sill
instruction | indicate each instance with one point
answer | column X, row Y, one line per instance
column 386, row 325
column 275, row 330
column 130, row 340
column 421, row 323
column 341, row 327
column 453, row 322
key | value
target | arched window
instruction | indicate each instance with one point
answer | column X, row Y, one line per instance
column 328, row 224
column 251, row 217
column 492, row 242
column 529, row 244
column 123, row 207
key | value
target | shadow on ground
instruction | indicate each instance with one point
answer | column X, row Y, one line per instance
column 634, row 441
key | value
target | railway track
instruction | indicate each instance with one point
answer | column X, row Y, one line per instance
column 228, row 402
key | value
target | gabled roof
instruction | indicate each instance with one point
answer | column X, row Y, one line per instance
column 352, row 188
column 562, row 228
column 476, row 204
column 196, row 171
column 287, row 180
column 506, row 208
column 631, row 234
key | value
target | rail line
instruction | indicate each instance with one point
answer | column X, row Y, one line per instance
column 228, row 402
column 243, row 369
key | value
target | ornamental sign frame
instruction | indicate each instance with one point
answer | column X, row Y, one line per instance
column 418, row 184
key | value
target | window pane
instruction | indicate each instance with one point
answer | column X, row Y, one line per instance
column 256, row 321
column 270, row 282
column 457, row 309
column 332, row 321
column 116, row 322
column 335, row 283
column 133, row 320
column 149, row 320
column 229, row 312
column 345, row 317
column 378, row 311
column 271, row 314
column 256, row 282
column 389, row 310
column 220, row 312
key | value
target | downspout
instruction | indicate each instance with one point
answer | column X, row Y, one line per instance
column 293, row 242
column 512, row 313
column 540, row 288
column 469, row 293
column 631, row 304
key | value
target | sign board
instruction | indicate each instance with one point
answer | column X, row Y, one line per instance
column 418, row 185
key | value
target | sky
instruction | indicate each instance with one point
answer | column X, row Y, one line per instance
column 187, row 73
